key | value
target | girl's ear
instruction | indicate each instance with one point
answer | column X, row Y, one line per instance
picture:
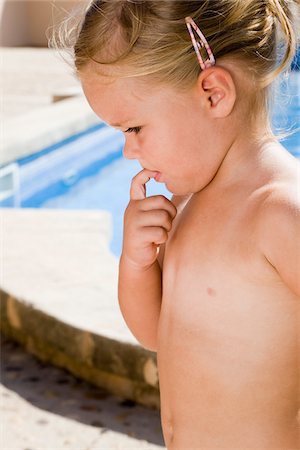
column 218, row 91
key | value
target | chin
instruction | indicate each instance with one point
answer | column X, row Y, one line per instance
column 175, row 190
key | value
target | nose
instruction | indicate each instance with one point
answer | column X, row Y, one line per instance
column 130, row 151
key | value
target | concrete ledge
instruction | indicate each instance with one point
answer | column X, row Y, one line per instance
column 59, row 299
column 32, row 81
column 45, row 126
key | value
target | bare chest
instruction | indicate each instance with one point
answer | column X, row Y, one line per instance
column 228, row 332
column 213, row 237
column 220, row 293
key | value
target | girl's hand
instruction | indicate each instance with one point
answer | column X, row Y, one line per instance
column 147, row 222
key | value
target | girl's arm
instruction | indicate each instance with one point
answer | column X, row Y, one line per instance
column 147, row 222
column 140, row 292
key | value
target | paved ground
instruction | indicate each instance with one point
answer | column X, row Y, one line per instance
column 45, row 408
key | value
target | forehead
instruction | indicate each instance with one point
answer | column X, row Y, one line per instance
column 109, row 94
column 117, row 100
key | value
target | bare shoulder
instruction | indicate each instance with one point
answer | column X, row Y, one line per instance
column 179, row 201
column 279, row 224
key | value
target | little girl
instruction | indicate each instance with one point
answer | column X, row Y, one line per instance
column 209, row 279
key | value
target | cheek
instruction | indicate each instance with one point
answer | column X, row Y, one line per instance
column 177, row 145
column 186, row 146
column 157, row 144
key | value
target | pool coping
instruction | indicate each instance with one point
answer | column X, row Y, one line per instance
column 63, row 308
column 44, row 127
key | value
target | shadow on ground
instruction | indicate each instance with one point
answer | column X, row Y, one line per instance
column 56, row 391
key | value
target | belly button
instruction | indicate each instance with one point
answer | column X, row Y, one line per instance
column 211, row 292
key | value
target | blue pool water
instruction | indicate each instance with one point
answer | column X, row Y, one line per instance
column 88, row 170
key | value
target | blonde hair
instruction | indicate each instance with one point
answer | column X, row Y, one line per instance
column 149, row 38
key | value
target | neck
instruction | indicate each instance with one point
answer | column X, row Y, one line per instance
column 242, row 157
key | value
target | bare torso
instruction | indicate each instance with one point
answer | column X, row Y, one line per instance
column 228, row 343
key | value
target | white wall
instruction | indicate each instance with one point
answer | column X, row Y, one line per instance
column 24, row 22
column 14, row 23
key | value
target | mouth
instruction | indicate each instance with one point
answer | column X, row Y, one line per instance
column 159, row 174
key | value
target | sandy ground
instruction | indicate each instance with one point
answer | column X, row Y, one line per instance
column 43, row 407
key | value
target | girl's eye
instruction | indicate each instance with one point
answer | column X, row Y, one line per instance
column 133, row 130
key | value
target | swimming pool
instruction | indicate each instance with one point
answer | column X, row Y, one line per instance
column 88, row 171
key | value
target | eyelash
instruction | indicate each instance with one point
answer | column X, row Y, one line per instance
column 135, row 130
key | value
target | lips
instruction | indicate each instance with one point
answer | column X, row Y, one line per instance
column 158, row 174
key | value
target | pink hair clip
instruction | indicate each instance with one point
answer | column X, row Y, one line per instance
column 210, row 61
